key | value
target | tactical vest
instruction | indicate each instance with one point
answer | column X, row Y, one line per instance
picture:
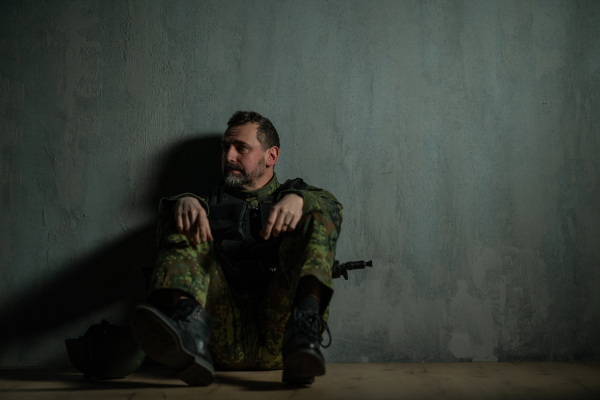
column 247, row 260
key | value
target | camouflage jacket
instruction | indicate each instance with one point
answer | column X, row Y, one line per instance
column 315, row 200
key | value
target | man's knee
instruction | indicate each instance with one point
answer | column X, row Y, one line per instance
column 316, row 223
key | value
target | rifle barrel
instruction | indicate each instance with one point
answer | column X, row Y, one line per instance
column 339, row 270
column 357, row 265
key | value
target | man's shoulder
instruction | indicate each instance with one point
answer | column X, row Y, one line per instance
column 300, row 184
column 293, row 184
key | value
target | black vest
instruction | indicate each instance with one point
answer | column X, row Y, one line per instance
column 247, row 260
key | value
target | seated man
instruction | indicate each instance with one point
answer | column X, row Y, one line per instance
column 243, row 279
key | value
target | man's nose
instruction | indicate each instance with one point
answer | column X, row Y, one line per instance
column 231, row 155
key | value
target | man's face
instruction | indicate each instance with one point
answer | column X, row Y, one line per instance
column 243, row 159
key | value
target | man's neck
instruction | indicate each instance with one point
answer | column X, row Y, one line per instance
column 259, row 194
column 262, row 181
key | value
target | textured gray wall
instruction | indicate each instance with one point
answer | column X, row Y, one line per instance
column 461, row 137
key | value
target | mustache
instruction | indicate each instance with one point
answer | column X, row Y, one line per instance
column 234, row 167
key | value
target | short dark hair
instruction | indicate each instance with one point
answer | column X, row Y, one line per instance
column 267, row 134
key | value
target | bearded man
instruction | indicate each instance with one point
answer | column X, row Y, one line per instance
column 243, row 278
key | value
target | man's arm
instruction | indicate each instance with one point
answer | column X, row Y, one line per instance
column 284, row 216
column 191, row 216
column 321, row 200
column 293, row 204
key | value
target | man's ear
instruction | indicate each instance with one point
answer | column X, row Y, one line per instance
column 272, row 156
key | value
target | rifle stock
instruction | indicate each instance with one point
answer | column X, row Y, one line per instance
column 342, row 269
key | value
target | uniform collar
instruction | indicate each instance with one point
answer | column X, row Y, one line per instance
column 258, row 194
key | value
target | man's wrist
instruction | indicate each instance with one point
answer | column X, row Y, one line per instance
column 168, row 204
column 298, row 193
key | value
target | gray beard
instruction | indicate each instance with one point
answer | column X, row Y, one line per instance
column 245, row 180
column 235, row 181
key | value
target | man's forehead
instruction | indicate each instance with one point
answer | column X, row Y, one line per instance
column 232, row 139
column 229, row 137
column 242, row 133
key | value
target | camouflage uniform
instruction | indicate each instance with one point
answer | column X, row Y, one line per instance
column 248, row 329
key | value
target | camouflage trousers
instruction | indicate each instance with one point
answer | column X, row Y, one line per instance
column 248, row 334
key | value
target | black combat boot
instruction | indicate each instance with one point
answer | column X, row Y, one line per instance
column 179, row 342
column 302, row 359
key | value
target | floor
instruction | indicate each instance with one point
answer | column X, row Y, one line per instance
column 572, row 380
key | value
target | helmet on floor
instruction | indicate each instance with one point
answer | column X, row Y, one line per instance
column 105, row 351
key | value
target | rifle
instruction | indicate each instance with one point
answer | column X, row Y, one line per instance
column 342, row 269
column 337, row 270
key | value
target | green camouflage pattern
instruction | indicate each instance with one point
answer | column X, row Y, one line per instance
column 248, row 328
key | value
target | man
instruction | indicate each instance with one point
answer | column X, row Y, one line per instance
column 243, row 279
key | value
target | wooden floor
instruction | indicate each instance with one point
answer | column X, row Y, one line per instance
column 342, row 381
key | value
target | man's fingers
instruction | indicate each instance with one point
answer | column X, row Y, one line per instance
column 190, row 219
column 192, row 215
column 189, row 237
column 295, row 221
column 201, row 228
column 266, row 231
column 206, row 235
column 179, row 222
column 288, row 212
column 287, row 223
column 279, row 224
column 209, row 236
column 186, row 222
column 203, row 225
column 190, row 233
column 200, row 234
column 197, row 235
column 277, row 227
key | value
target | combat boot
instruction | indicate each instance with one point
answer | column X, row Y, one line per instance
column 302, row 358
column 179, row 341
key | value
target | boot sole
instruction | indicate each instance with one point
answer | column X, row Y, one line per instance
column 297, row 379
column 303, row 363
column 162, row 343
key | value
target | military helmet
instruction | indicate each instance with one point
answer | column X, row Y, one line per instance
column 105, row 351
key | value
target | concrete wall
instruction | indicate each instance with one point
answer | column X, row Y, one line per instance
column 461, row 137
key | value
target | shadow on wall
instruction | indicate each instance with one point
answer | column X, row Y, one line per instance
column 192, row 166
column 111, row 275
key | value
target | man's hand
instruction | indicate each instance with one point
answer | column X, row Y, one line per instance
column 191, row 220
column 284, row 216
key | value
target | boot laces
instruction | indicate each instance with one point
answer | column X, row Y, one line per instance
column 305, row 324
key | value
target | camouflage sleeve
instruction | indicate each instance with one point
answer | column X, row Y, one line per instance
column 318, row 200
column 165, row 210
column 165, row 205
